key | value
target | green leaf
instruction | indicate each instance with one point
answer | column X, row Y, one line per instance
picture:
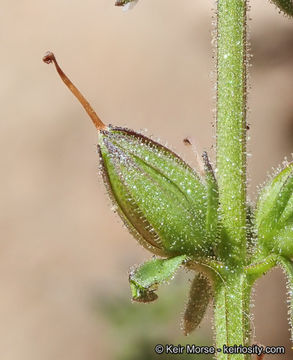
column 274, row 214
column 199, row 298
column 144, row 280
column 160, row 198
column 285, row 5
column 287, row 266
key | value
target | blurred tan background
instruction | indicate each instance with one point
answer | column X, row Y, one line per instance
column 147, row 68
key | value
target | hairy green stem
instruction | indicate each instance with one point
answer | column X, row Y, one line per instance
column 232, row 290
column 232, row 319
column 231, row 124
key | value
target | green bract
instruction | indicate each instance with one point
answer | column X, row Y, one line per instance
column 144, row 280
column 160, row 198
column 274, row 214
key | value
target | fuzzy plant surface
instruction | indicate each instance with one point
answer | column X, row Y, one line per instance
column 202, row 221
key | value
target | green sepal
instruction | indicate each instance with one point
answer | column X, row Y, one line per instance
column 274, row 214
column 212, row 200
column 285, row 5
column 287, row 266
column 199, row 298
column 145, row 279
column 161, row 199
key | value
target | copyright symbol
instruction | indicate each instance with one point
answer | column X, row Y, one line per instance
column 159, row 349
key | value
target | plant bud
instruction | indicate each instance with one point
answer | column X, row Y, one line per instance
column 159, row 197
column 274, row 215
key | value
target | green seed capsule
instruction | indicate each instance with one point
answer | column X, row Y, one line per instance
column 163, row 202
column 160, row 198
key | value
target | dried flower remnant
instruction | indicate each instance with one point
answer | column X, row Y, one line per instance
column 127, row 4
column 48, row 58
column 199, row 298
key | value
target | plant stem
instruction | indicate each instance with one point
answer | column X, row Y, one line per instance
column 232, row 307
column 231, row 125
column 232, row 290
